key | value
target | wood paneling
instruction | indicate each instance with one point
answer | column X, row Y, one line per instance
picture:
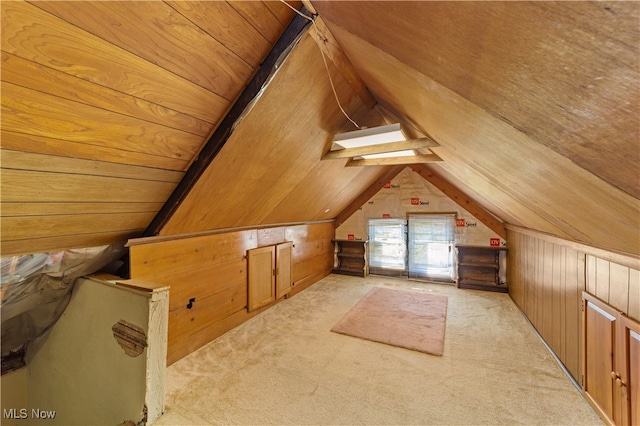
column 164, row 37
column 106, row 104
column 40, row 37
column 545, row 282
column 212, row 270
column 223, row 22
column 531, row 182
column 546, row 279
column 264, row 184
column 614, row 284
column 44, row 79
column 502, row 55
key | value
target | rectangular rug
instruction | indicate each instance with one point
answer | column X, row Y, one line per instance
column 408, row 319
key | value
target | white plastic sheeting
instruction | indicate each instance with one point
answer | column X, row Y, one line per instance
column 36, row 288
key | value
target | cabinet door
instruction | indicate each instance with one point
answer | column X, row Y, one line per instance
column 262, row 289
column 283, row 268
column 599, row 325
column 627, row 382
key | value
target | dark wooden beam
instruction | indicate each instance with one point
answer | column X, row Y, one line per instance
column 216, row 141
column 376, row 186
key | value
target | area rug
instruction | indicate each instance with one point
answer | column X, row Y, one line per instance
column 408, row 319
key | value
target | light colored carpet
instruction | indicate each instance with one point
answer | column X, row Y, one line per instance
column 408, row 319
column 285, row 367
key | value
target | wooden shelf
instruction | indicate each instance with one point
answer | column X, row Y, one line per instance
column 479, row 267
column 350, row 257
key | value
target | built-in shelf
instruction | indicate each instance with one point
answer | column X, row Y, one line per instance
column 479, row 268
column 350, row 257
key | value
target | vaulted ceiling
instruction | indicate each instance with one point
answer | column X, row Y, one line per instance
column 106, row 106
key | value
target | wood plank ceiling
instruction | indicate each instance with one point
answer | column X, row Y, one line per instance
column 105, row 105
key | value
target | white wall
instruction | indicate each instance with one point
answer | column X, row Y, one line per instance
column 79, row 370
column 396, row 201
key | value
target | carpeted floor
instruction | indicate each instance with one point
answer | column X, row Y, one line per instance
column 285, row 366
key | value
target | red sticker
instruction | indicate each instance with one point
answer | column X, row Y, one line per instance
column 415, row 201
column 387, row 185
column 460, row 222
column 494, row 242
column 351, row 237
column 386, row 215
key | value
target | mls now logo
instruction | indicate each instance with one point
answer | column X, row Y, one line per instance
column 23, row 413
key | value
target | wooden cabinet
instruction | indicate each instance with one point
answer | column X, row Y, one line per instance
column 611, row 362
column 269, row 274
column 284, row 255
column 479, row 268
column 350, row 257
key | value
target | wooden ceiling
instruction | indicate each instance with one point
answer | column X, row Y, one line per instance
column 105, row 105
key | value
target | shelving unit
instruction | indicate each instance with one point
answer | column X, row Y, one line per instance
column 479, row 268
column 350, row 257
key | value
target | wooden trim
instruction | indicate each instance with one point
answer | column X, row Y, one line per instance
column 163, row 238
column 332, row 50
column 219, row 137
column 381, row 148
column 461, row 199
column 629, row 260
column 389, row 174
column 392, row 161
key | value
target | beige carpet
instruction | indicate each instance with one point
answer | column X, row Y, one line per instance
column 285, row 367
column 408, row 319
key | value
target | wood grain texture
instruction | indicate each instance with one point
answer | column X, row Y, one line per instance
column 48, row 163
column 25, row 228
column 44, row 79
column 332, row 51
column 63, row 148
column 27, row 186
column 65, row 242
column 296, row 120
column 261, row 18
column 220, row 20
column 163, row 37
column 501, row 56
column 551, row 190
column 35, row 113
column 546, row 280
column 212, row 269
column 35, row 35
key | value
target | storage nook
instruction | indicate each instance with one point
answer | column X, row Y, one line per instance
column 350, row 257
column 479, row 268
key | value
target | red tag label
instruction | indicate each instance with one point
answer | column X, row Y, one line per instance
column 387, row 185
column 494, row 242
column 460, row 222
column 386, row 215
column 351, row 237
column 415, row 201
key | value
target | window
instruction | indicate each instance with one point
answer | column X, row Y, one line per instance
column 387, row 246
column 431, row 241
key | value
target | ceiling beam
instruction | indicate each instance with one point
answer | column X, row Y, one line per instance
column 407, row 160
column 381, row 148
column 219, row 137
column 461, row 199
column 372, row 190
column 332, row 50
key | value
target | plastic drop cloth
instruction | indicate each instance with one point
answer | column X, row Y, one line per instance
column 36, row 289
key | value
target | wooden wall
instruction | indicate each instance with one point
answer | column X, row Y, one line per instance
column 546, row 278
column 213, row 270
column 105, row 105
